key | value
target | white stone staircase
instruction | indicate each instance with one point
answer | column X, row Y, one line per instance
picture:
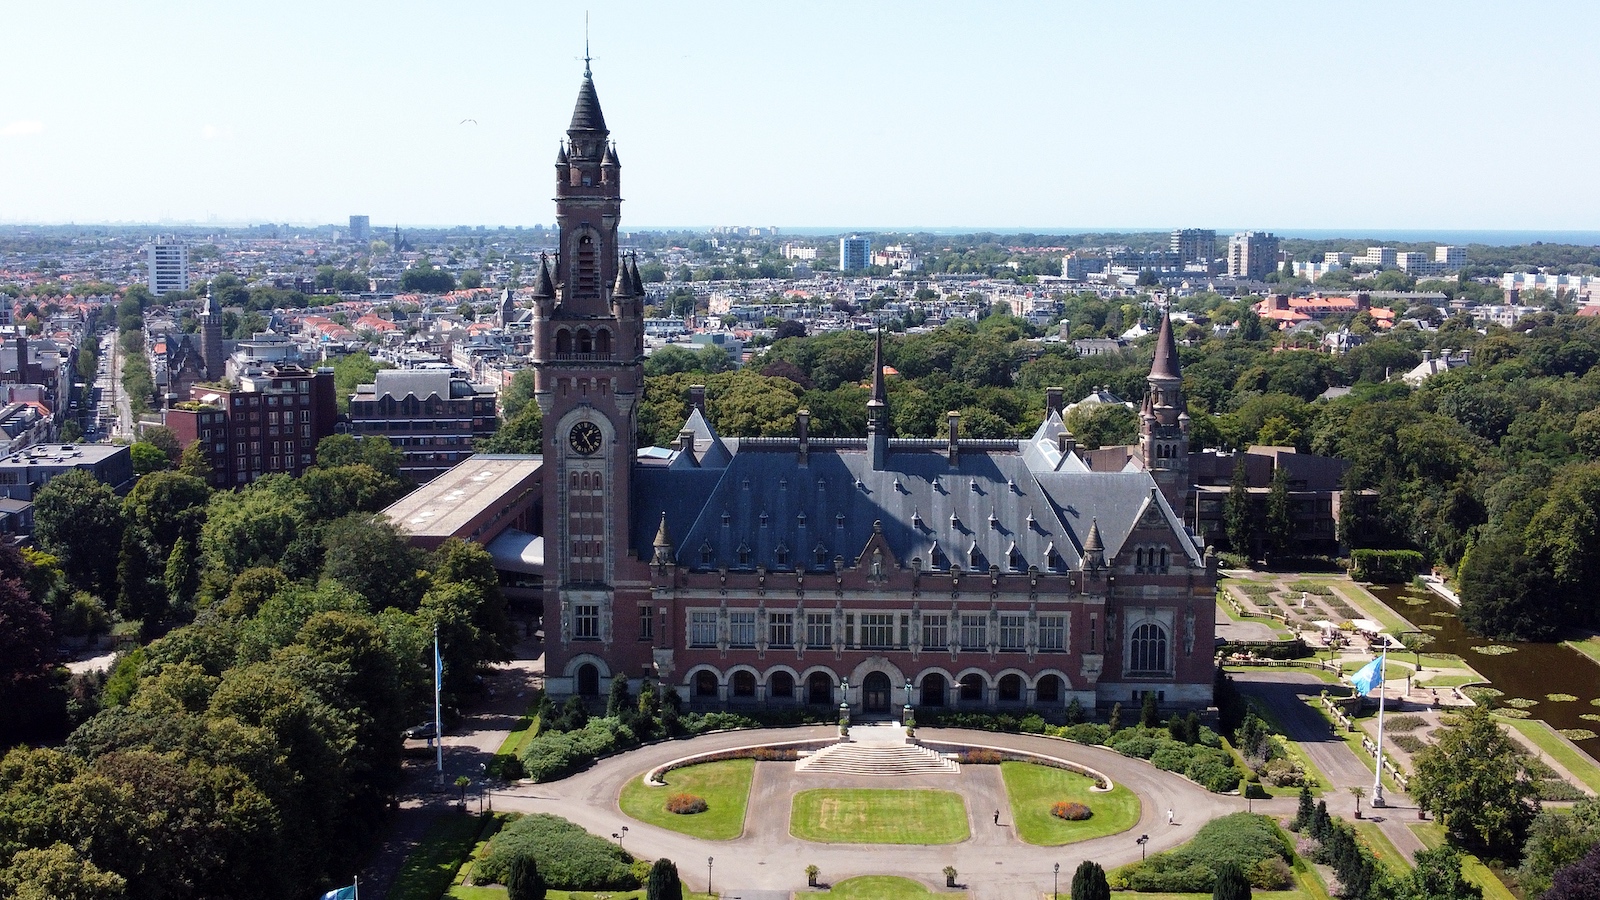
column 878, row 751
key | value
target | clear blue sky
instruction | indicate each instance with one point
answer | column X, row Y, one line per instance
column 857, row 114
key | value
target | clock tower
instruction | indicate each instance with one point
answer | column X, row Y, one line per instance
column 588, row 353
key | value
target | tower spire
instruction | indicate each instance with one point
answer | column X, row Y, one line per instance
column 880, row 394
column 1165, row 365
column 878, row 411
column 586, row 43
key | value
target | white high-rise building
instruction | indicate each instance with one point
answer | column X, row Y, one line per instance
column 855, row 253
column 168, row 264
column 1252, row 254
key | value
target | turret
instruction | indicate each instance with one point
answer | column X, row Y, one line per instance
column 878, row 411
column 1094, row 551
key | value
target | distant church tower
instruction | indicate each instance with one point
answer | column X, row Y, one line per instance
column 212, row 355
column 1164, row 422
column 588, row 355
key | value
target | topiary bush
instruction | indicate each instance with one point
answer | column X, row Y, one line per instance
column 569, row 857
column 686, row 804
column 1071, row 811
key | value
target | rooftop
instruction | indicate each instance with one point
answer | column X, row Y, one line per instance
column 447, row 504
column 62, row 455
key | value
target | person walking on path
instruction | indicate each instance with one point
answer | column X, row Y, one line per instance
column 997, row 817
column 1169, row 816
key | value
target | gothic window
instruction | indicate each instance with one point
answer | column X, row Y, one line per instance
column 744, row 555
column 782, row 555
column 705, row 554
column 587, row 276
column 602, row 342
column 1149, row 649
column 585, row 342
column 1164, row 558
column 821, row 554
column 1138, row 558
column 563, row 342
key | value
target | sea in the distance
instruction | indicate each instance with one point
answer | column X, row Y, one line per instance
column 1498, row 238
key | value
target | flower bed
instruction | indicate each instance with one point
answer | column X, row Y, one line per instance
column 686, row 804
column 1072, row 812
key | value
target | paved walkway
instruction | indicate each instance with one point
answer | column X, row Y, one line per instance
column 1286, row 693
column 993, row 863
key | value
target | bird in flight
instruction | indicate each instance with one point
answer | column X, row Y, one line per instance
column 465, row 121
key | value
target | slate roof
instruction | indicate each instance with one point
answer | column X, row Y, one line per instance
column 586, row 114
column 1012, row 504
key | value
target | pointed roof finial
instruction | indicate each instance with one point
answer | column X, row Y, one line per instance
column 1165, row 364
column 546, row 288
column 880, row 394
column 1092, row 542
column 638, row 282
column 586, row 43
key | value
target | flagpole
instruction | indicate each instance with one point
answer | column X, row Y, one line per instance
column 357, row 885
column 1377, row 779
column 438, row 722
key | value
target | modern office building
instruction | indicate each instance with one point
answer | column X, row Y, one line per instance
column 1252, row 254
column 855, row 253
column 360, row 228
column 22, row 473
column 873, row 571
column 271, row 423
column 167, row 265
column 431, row 415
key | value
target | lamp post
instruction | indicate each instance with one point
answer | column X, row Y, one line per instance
column 1055, row 891
column 708, row 873
column 1141, row 840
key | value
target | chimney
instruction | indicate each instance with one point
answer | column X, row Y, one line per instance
column 1066, row 443
column 697, row 397
column 685, row 440
column 802, row 423
column 1466, row 356
column 1052, row 401
column 1427, row 355
column 952, row 450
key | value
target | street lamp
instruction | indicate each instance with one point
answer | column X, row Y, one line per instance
column 708, row 873
column 1141, row 840
column 620, row 835
column 1055, row 892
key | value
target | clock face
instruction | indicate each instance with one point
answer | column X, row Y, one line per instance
column 585, row 438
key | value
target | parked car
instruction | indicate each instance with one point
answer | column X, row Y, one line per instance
column 422, row 732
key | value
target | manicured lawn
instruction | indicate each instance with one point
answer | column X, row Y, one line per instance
column 511, row 747
column 1453, row 679
column 431, row 867
column 1296, row 752
column 875, row 816
column 1371, row 607
column 1589, row 646
column 1576, row 762
column 1033, row 789
column 1382, row 847
column 1256, row 895
column 1432, row 834
column 725, row 785
column 882, row 887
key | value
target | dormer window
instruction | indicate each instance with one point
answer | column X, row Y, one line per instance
column 1014, row 559
column 937, row 557
column 782, row 555
column 821, row 554
column 744, row 555
column 838, row 520
column 706, row 554
column 763, row 520
column 726, row 519
column 801, row 520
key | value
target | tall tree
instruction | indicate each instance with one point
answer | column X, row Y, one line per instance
column 77, row 518
column 1231, row 883
column 1280, row 514
column 1476, row 781
column 525, row 882
column 663, row 883
column 1237, row 514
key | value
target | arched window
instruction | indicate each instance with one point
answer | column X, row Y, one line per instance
column 705, row 683
column 563, row 342
column 780, row 686
column 744, row 684
column 972, row 688
column 602, row 342
column 1048, row 690
column 1138, row 558
column 585, row 342
column 1149, row 649
column 1164, row 559
column 933, row 689
column 1010, row 688
column 819, row 688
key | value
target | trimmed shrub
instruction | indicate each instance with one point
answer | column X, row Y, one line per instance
column 980, row 757
column 1071, row 811
column 1249, row 842
column 525, row 882
column 570, row 858
column 663, row 882
column 1231, row 883
column 1085, row 733
column 686, row 804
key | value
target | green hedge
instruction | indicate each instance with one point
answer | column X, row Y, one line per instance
column 568, row 857
column 1253, row 843
column 1385, row 566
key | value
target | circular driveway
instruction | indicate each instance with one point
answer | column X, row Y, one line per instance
column 766, row 861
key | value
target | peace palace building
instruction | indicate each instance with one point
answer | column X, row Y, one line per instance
column 876, row 571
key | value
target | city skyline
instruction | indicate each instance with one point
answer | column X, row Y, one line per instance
column 1411, row 118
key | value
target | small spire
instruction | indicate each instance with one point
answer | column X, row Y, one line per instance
column 611, row 158
column 546, row 288
column 1165, row 364
column 880, row 393
column 638, row 283
column 624, row 284
column 663, row 539
column 561, row 154
column 1092, row 542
